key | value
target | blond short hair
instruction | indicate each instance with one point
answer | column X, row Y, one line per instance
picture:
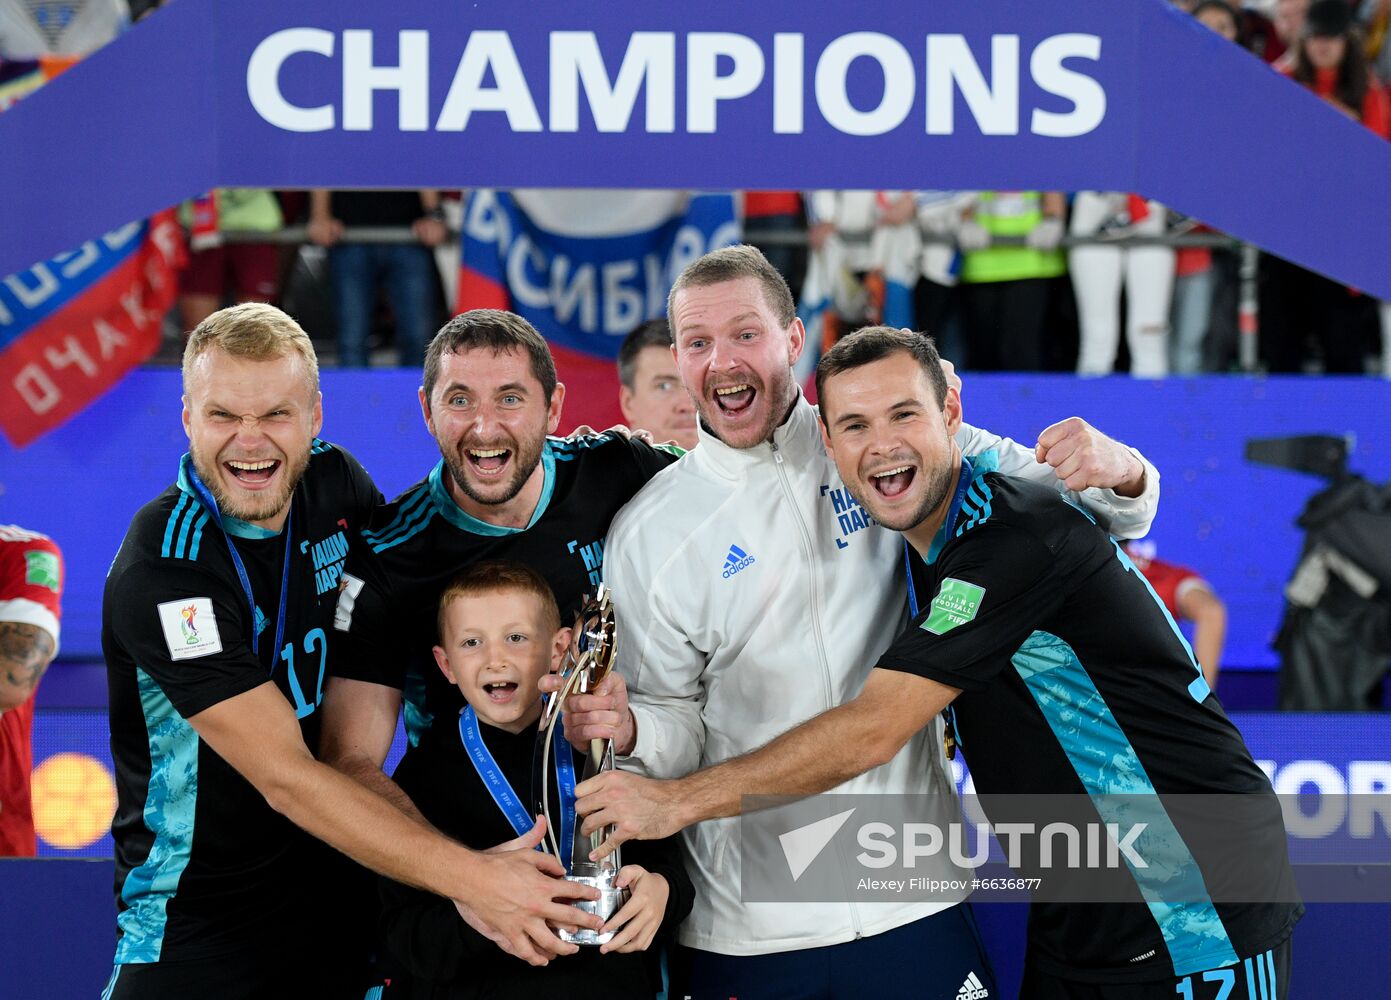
column 499, row 576
column 255, row 331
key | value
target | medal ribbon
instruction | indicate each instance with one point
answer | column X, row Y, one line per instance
column 501, row 789
column 206, row 498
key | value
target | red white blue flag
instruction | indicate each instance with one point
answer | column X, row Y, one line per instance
column 586, row 268
column 72, row 326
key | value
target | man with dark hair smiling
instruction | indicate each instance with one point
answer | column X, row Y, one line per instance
column 503, row 489
column 1066, row 677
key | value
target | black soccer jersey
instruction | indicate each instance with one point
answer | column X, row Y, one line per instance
column 423, row 539
column 424, row 935
column 204, row 867
column 1075, row 681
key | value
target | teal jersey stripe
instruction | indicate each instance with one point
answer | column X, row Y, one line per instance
column 174, row 516
column 413, row 513
column 197, row 538
column 170, row 804
column 979, row 465
column 1115, row 778
column 565, row 449
column 976, row 505
column 320, row 446
column 457, row 516
column 417, row 719
column 181, row 546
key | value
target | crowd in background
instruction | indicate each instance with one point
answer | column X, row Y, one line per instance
column 1005, row 280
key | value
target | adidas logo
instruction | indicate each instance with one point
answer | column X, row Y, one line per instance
column 972, row 989
column 737, row 560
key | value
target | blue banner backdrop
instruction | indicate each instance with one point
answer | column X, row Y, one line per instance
column 1230, row 520
column 1071, row 94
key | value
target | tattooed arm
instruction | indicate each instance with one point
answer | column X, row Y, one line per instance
column 25, row 652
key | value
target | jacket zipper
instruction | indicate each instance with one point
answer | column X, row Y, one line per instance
column 815, row 619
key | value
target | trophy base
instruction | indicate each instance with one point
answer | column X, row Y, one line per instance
column 610, row 901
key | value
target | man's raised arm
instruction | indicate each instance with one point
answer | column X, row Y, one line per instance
column 1113, row 481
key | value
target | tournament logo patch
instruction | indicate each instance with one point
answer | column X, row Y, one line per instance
column 189, row 628
column 41, row 569
column 349, row 587
column 955, row 604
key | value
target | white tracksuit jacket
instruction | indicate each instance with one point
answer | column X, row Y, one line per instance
column 750, row 596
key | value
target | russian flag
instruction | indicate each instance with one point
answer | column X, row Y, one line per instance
column 585, row 268
column 71, row 327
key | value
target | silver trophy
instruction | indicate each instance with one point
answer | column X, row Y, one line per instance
column 587, row 662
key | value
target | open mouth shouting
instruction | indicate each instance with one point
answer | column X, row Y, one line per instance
column 892, row 483
column 735, row 399
column 253, row 475
column 500, row 692
column 488, row 462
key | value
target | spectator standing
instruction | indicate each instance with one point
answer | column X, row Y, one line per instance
column 250, row 272
column 1287, row 27
column 779, row 213
column 31, row 587
column 1296, row 303
column 937, row 297
column 872, row 237
column 1099, row 272
column 1198, row 271
column 1006, row 286
column 406, row 270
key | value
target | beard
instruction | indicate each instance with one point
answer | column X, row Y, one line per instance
column 937, row 481
column 249, row 506
column 778, row 395
column 525, row 457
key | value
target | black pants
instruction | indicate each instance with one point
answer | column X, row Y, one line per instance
column 246, row 976
column 1297, row 304
column 1261, row 977
column 1005, row 323
column 940, row 957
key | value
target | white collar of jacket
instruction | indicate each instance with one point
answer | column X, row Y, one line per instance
column 798, row 438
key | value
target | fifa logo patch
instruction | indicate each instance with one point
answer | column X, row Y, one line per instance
column 955, row 604
column 190, row 628
column 41, row 569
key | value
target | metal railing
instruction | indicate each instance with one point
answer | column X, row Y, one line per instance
column 1248, row 318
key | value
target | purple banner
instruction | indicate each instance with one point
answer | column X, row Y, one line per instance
column 1071, row 94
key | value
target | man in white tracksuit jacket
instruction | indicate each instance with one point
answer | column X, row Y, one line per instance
column 752, row 593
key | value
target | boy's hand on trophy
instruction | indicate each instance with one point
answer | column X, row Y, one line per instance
column 637, row 808
column 641, row 916
column 600, row 715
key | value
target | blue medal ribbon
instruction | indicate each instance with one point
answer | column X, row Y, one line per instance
column 963, row 484
column 501, row 789
column 206, row 498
